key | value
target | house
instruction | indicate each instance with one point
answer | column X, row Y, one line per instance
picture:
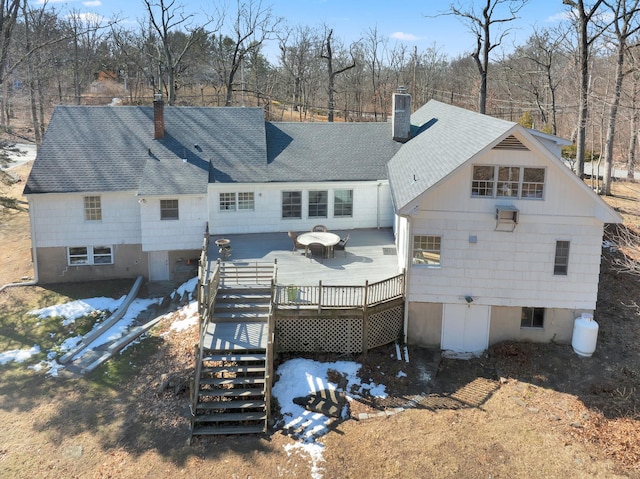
column 499, row 239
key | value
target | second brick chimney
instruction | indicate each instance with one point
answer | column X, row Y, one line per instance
column 158, row 117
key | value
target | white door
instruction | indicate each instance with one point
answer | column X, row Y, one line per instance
column 158, row 266
column 465, row 328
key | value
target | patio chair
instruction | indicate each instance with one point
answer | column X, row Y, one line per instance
column 294, row 238
column 319, row 228
column 342, row 245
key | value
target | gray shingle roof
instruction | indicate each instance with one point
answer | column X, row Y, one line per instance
column 112, row 149
column 444, row 137
column 329, row 151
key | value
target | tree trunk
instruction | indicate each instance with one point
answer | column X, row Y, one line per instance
column 611, row 126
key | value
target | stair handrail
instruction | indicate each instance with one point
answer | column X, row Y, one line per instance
column 269, row 368
column 207, row 312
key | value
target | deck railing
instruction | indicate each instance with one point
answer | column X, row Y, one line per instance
column 327, row 296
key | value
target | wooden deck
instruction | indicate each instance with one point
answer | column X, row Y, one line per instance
column 370, row 256
column 236, row 336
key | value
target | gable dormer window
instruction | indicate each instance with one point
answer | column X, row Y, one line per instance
column 493, row 181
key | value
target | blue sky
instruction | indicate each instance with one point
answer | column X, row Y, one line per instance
column 409, row 21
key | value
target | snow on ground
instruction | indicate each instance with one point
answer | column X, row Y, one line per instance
column 297, row 377
column 190, row 313
column 300, row 377
column 18, row 355
column 71, row 311
column 77, row 309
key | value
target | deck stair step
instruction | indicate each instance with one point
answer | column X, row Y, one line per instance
column 233, row 416
column 231, row 387
column 233, row 369
column 231, row 392
column 230, row 405
column 240, row 316
column 235, row 381
column 231, row 357
column 213, row 430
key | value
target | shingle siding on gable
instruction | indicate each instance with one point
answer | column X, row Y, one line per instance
column 508, row 269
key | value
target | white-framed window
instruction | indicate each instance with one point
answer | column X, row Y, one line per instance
column 227, row 201
column 532, row 318
column 169, row 210
column 246, row 201
column 292, row 204
column 237, row 201
column 426, row 250
column 92, row 208
column 343, row 203
column 89, row 255
column 493, row 181
column 561, row 261
column 318, row 204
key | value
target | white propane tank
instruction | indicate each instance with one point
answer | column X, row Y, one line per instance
column 585, row 335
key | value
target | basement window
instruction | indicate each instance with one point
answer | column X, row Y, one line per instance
column 506, row 218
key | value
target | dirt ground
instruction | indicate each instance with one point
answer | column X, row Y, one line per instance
column 520, row 411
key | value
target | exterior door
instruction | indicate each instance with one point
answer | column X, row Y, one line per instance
column 465, row 328
column 159, row 266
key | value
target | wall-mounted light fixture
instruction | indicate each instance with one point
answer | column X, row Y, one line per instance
column 142, row 201
column 468, row 299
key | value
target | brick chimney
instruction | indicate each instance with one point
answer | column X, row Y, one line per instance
column 401, row 117
column 158, row 117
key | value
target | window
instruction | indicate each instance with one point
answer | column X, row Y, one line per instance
column 227, row 201
column 561, row 263
column 507, row 181
column 482, row 184
column 292, row 204
column 343, row 203
column 92, row 208
column 89, row 255
column 426, row 250
column 533, row 183
column 245, row 201
column 318, row 201
column 168, row 209
column 532, row 318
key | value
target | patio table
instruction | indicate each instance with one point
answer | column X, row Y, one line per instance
column 326, row 239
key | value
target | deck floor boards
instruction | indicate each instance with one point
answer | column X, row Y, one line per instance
column 236, row 336
column 370, row 256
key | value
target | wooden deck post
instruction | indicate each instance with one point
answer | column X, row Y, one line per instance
column 365, row 319
column 319, row 296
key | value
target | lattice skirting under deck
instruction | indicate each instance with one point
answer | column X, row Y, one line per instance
column 338, row 334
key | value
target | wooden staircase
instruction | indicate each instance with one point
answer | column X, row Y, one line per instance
column 231, row 393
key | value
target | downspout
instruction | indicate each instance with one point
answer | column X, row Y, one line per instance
column 407, row 267
column 34, row 281
column 378, row 206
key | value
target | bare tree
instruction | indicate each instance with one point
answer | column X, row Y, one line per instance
column 480, row 25
column 624, row 26
column 328, row 54
column 252, row 26
column 297, row 50
column 583, row 15
column 635, row 115
column 538, row 74
column 165, row 17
